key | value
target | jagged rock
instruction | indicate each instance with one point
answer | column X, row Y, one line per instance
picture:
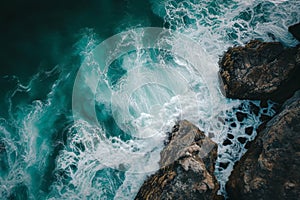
column 270, row 168
column 260, row 71
column 186, row 167
column 295, row 31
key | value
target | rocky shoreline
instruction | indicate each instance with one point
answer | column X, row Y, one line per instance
column 269, row 169
column 260, row 71
column 187, row 167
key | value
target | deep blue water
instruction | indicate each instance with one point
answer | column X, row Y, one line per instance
column 47, row 151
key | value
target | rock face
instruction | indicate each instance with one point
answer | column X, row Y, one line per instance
column 260, row 71
column 270, row 168
column 187, row 167
column 295, row 31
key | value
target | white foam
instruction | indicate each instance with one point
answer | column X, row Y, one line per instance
column 149, row 98
column 217, row 25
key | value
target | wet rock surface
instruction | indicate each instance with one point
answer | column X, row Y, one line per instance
column 186, row 167
column 260, row 71
column 270, row 168
column 295, row 31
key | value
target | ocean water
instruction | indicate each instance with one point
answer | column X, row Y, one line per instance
column 88, row 93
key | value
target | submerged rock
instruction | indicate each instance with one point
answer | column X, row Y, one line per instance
column 295, row 31
column 260, row 71
column 270, row 168
column 186, row 167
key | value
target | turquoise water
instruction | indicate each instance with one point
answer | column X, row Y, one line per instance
column 48, row 153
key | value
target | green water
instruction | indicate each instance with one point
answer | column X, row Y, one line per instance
column 44, row 154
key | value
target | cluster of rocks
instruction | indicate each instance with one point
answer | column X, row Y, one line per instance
column 260, row 71
column 269, row 169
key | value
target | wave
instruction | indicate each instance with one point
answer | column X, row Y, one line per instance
column 49, row 152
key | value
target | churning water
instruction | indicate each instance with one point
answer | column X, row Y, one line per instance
column 95, row 131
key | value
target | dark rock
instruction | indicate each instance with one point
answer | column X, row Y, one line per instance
column 241, row 116
column 227, row 142
column 248, row 144
column 169, row 137
column 261, row 127
column 270, row 168
column 260, row 71
column 254, row 108
column 187, row 168
column 233, row 124
column 230, row 136
column 175, row 128
column 224, row 165
column 295, row 31
column 263, row 104
column 249, row 130
column 264, row 118
column 242, row 140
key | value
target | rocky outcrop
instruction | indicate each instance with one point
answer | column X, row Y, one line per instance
column 270, row 168
column 295, row 31
column 260, row 71
column 187, row 167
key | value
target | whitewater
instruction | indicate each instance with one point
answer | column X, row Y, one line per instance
column 95, row 130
